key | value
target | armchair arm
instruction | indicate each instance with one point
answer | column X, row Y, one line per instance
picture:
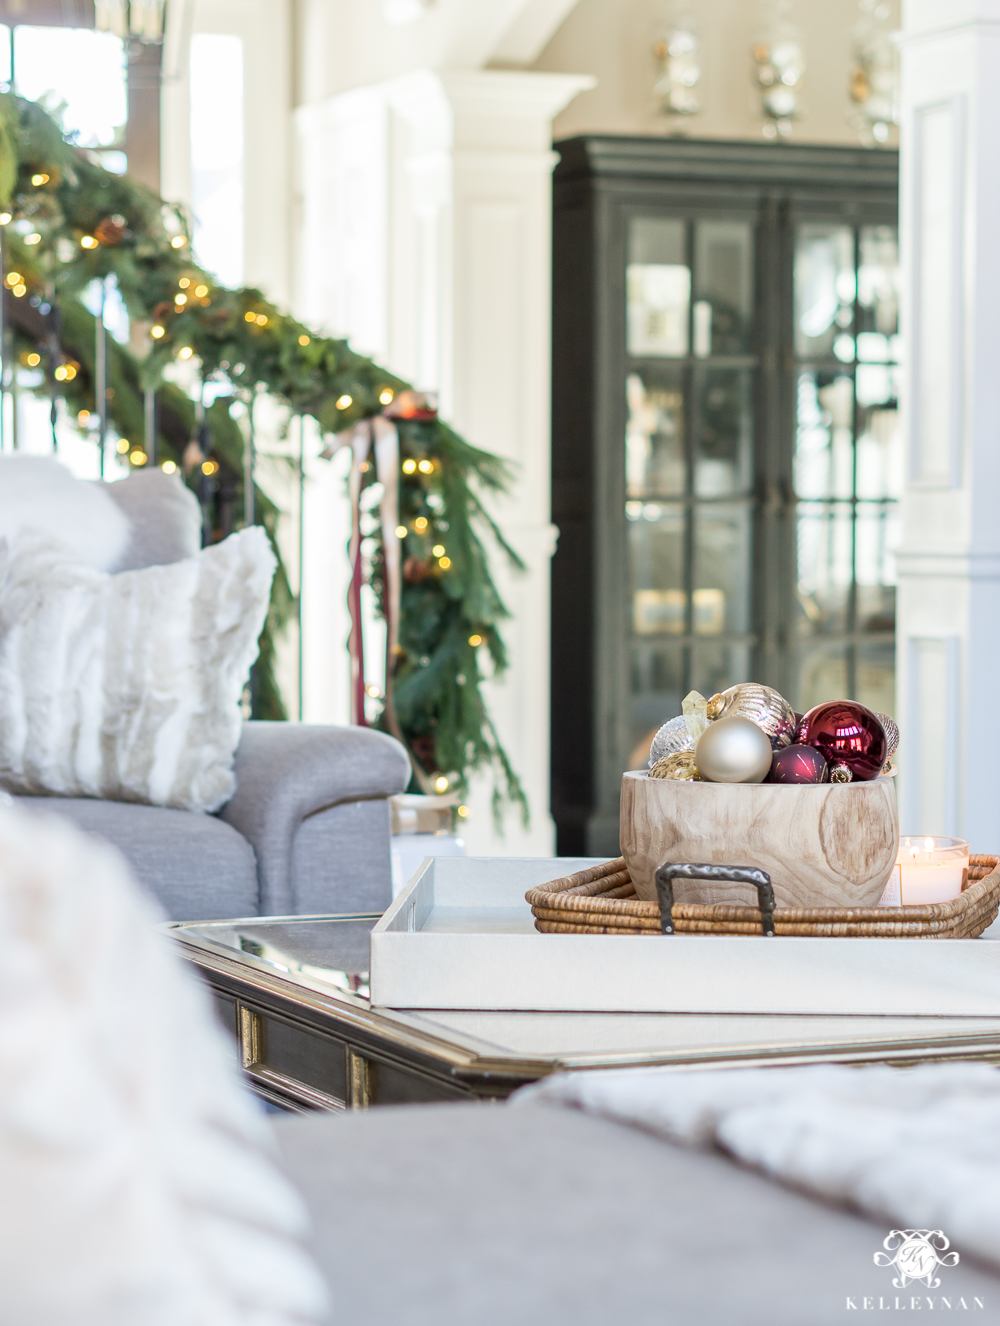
column 288, row 771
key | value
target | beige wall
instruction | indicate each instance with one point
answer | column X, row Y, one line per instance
column 612, row 39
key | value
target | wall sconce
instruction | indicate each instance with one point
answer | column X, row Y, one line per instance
column 676, row 52
column 779, row 68
column 874, row 82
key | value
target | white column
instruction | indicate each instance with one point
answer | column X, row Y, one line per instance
column 453, row 188
column 948, row 633
column 264, row 30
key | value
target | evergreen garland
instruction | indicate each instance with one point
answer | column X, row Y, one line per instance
column 71, row 222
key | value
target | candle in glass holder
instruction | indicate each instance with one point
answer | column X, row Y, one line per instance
column 931, row 869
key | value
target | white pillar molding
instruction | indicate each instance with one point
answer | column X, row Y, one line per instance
column 264, row 29
column 948, row 632
column 427, row 206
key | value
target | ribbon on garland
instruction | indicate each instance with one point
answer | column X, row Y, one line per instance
column 376, row 439
column 359, row 439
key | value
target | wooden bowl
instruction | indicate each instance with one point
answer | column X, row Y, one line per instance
column 824, row 845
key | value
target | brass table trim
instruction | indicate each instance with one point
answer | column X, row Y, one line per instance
column 395, row 1038
column 358, row 1080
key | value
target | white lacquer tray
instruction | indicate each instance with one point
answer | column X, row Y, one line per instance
column 461, row 936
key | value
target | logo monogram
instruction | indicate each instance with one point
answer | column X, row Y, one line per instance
column 916, row 1255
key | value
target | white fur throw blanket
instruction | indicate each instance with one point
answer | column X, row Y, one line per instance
column 128, row 686
column 137, row 1186
column 919, row 1146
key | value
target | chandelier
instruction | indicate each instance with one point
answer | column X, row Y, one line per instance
column 138, row 20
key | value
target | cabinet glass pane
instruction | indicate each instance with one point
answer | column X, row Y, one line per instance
column 878, row 282
column 876, row 538
column 654, row 436
column 658, row 284
column 722, row 569
column 656, row 548
column 879, row 454
column 723, row 309
column 876, row 684
column 824, row 292
column 826, row 565
column 724, row 442
column 716, row 667
column 657, row 679
column 848, row 464
column 824, row 440
column 822, row 675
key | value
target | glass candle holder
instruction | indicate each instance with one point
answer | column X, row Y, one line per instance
column 931, row 869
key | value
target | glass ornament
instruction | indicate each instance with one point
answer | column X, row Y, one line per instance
column 763, row 705
column 846, row 734
column 798, row 764
column 673, row 736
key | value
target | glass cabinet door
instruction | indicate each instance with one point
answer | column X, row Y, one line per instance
column 689, row 461
column 847, row 462
column 726, row 462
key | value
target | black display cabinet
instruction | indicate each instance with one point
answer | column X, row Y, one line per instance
column 726, row 461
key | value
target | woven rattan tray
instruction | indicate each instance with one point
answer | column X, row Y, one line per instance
column 602, row 901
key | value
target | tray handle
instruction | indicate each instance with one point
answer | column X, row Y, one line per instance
column 669, row 871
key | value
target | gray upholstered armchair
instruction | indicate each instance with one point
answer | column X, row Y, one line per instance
column 308, row 827
column 306, row 831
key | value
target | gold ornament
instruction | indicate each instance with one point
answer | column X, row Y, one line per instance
column 733, row 749
column 839, row 773
column 680, row 766
column 762, row 705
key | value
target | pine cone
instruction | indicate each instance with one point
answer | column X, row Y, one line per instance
column 111, row 230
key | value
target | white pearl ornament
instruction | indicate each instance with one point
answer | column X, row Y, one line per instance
column 733, row 750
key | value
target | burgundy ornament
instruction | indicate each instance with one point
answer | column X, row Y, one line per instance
column 798, row 764
column 845, row 732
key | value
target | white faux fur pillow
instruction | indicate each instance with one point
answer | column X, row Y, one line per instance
column 127, row 687
column 137, row 1185
column 39, row 493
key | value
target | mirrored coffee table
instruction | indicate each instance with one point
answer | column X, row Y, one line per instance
column 294, row 992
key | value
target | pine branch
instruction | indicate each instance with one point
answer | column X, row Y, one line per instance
column 73, row 223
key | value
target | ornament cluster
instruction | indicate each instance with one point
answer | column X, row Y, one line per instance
column 751, row 734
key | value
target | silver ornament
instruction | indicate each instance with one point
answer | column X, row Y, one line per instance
column 733, row 750
column 762, row 705
column 672, row 736
column 891, row 733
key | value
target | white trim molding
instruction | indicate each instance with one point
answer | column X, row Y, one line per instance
column 948, row 601
column 427, row 209
column 931, row 724
column 936, row 293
